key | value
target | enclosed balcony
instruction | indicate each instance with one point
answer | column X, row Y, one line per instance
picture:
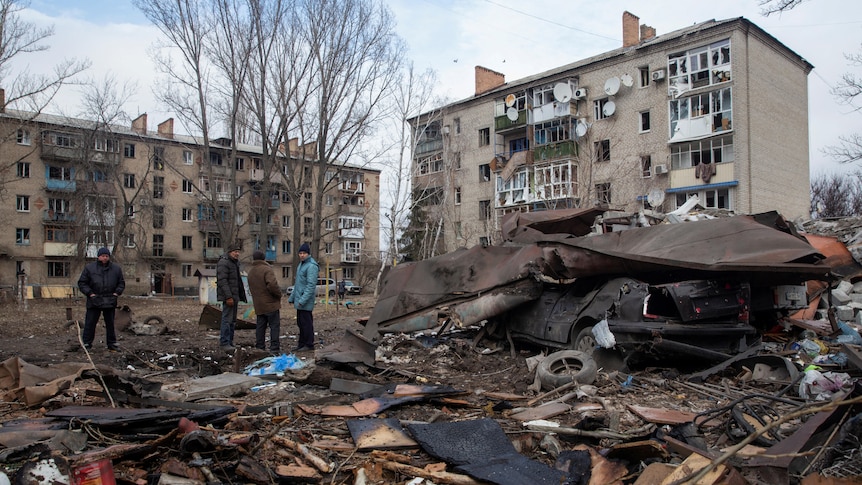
column 53, row 217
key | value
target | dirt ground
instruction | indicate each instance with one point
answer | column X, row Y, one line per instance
column 42, row 335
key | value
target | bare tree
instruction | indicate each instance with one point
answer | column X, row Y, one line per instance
column 412, row 96
column 356, row 58
column 27, row 92
column 203, row 58
column 847, row 91
column 836, row 195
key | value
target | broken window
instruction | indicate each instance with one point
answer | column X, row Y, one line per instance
column 485, row 210
column 513, row 190
column 644, row 76
column 553, row 131
column 430, row 164
column 484, row 137
column 646, row 166
column 599, row 108
column 485, row 172
column 713, row 150
column 558, row 180
column 644, row 121
column 603, row 150
column 603, row 193
column 700, row 115
column 699, row 67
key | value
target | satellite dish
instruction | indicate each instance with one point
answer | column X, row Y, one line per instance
column 609, row 109
column 563, row 92
column 627, row 80
column 655, row 197
column 512, row 114
column 581, row 128
column 612, row 86
column 510, row 100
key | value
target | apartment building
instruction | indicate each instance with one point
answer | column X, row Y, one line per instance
column 717, row 110
column 167, row 207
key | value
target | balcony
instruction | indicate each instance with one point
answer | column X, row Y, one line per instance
column 60, row 249
column 428, row 146
column 258, row 202
column 352, row 209
column 352, row 187
column 686, row 177
column 270, row 255
column 556, row 150
column 213, row 253
column 54, row 217
column 352, row 233
column 258, row 175
column 504, row 123
column 98, row 188
column 76, row 154
column 258, row 227
column 56, row 185
column 214, row 169
column 207, row 225
column 351, row 257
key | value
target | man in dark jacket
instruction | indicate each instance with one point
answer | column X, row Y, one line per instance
column 102, row 282
column 266, row 296
column 230, row 291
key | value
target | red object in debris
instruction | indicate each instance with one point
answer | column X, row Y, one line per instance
column 186, row 425
column 96, row 473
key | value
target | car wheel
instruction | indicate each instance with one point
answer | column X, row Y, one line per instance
column 332, row 293
column 564, row 367
column 585, row 341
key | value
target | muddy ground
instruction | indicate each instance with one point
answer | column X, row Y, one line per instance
column 43, row 335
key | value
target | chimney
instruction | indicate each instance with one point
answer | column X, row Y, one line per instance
column 631, row 30
column 139, row 124
column 647, row 32
column 2, row 100
column 487, row 80
column 166, row 128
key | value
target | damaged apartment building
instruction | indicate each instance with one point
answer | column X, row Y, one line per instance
column 168, row 206
column 717, row 110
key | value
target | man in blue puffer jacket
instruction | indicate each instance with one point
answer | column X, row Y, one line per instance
column 302, row 298
column 102, row 282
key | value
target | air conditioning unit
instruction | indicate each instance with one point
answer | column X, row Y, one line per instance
column 580, row 93
column 660, row 169
column 658, row 75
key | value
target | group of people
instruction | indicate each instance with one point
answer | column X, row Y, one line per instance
column 102, row 282
column 266, row 296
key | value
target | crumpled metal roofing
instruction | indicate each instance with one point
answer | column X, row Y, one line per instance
column 737, row 246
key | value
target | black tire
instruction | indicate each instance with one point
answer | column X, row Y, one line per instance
column 585, row 341
column 332, row 293
column 564, row 367
column 154, row 320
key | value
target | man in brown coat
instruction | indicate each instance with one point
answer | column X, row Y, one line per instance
column 266, row 296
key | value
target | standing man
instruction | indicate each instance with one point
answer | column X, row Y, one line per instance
column 102, row 281
column 230, row 292
column 266, row 295
column 302, row 298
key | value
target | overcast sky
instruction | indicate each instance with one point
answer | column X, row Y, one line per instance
column 513, row 37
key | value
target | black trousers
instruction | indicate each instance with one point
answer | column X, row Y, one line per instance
column 90, row 321
column 305, row 321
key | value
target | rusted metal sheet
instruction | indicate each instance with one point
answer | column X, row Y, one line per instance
column 379, row 434
column 412, row 295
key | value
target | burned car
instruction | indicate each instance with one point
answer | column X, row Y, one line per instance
column 710, row 319
column 707, row 288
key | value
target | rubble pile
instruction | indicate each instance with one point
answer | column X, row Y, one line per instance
column 457, row 402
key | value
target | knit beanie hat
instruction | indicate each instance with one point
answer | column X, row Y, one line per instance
column 258, row 255
column 103, row 251
column 305, row 248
